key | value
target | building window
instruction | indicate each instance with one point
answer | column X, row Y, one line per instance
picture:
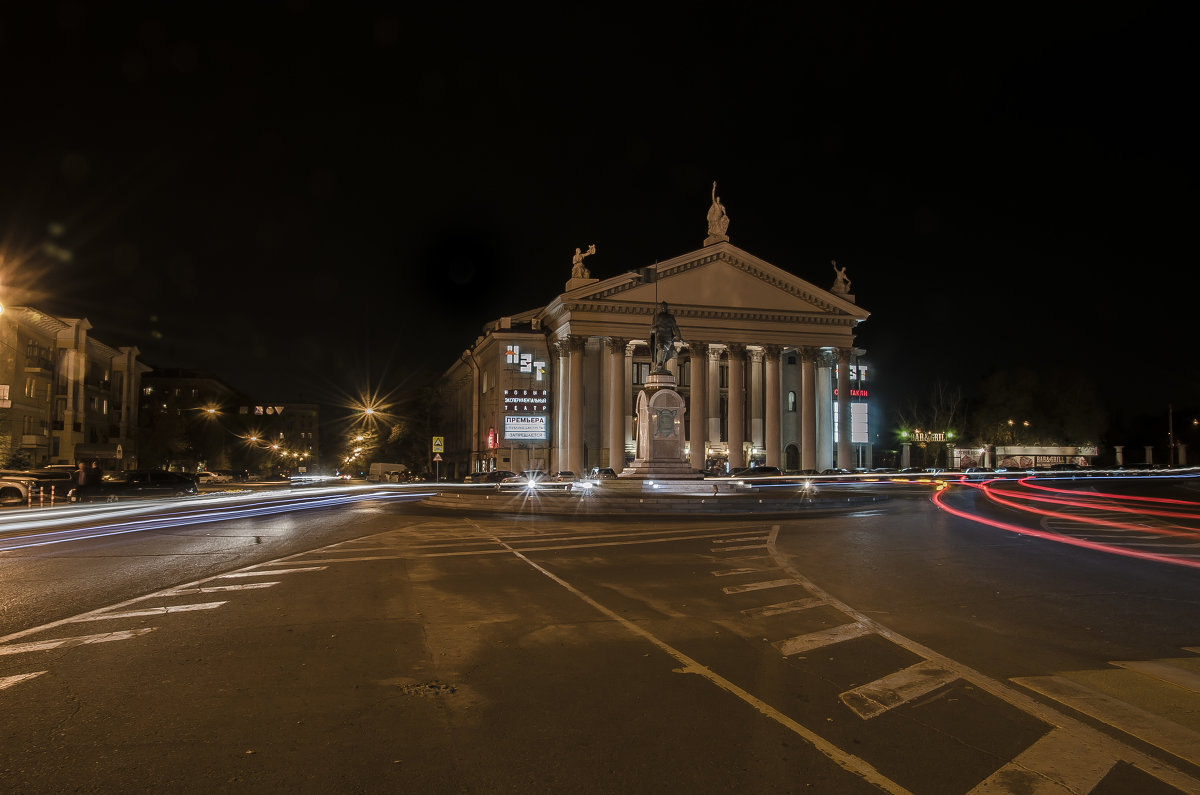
column 3, row 391
column 791, row 401
column 791, row 360
column 31, row 387
column 147, row 390
column 641, row 371
column 723, row 376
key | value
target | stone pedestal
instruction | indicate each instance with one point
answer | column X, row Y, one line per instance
column 660, row 439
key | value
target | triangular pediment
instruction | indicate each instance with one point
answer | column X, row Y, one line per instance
column 718, row 276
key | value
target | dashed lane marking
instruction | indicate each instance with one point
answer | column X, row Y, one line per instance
column 1060, row 762
column 150, row 611
column 267, row 572
column 246, row 586
column 784, row 607
column 9, row 681
column 758, row 586
column 80, row 640
column 1159, row 732
column 817, row 640
column 876, row 698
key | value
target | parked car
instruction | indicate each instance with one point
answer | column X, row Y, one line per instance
column 495, row 476
column 565, row 476
column 15, row 487
column 135, row 484
column 528, row 477
column 205, row 476
column 603, row 473
column 766, row 472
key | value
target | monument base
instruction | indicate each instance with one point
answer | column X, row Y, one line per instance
column 660, row 411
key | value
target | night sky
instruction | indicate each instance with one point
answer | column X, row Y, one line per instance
column 308, row 200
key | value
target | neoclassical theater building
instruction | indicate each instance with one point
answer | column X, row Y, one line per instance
column 767, row 366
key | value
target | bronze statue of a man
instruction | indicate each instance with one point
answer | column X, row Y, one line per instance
column 663, row 336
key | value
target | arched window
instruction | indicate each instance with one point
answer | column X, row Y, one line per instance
column 791, row 401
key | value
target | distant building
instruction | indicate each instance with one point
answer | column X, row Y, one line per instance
column 64, row 395
column 193, row 419
column 767, row 366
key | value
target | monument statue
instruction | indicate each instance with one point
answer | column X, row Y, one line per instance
column 663, row 336
column 578, row 271
column 842, row 284
column 718, row 221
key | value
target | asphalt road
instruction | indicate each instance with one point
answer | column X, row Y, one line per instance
column 361, row 644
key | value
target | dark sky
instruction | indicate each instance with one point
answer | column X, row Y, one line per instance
column 306, row 199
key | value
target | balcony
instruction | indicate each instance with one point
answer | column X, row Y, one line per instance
column 38, row 365
column 35, row 440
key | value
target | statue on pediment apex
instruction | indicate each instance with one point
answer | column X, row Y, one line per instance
column 718, row 220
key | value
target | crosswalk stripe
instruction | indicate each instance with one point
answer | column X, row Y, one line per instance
column 1159, row 732
column 80, row 640
column 269, row 573
column 1059, row 762
column 758, row 586
column 876, row 698
column 729, row 572
column 9, row 681
column 815, row 640
column 784, row 607
column 1166, row 672
column 212, row 589
column 737, row 549
column 150, row 611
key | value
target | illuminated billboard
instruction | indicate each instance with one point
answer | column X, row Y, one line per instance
column 525, row 428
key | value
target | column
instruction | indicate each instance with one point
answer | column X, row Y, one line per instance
column 714, row 394
column 561, row 404
column 844, row 450
column 698, row 410
column 826, row 446
column 1149, row 454
column 756, row 398
column 575, row 417
column 629, row 398
column 808, row 408
column 737, row 405
column 772, row 437
column 616, row 404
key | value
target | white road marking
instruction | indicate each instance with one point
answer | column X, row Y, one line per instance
column 1159, row 732
column 738, row 549
column 1084, row 734
column 816, row 640
column 80, row 640
column 758, row 586
column 740, row 540
column 728, row 572
column 1164, row 671
column 844, row 759
column 1059, row 762
column 784, row 607
column 151, row 611
column 9, row 681
column 876, row 698
column 267, row 573
column 211, row 589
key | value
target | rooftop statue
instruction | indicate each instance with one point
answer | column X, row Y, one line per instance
column 578, row 271
column 663, row 336
column 718, row 221
column 842, row 285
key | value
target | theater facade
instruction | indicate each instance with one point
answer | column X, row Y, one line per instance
column 767, row 365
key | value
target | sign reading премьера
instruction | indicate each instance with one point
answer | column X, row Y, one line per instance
column 525, row 427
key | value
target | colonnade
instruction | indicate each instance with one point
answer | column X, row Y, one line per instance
column 754, row 401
